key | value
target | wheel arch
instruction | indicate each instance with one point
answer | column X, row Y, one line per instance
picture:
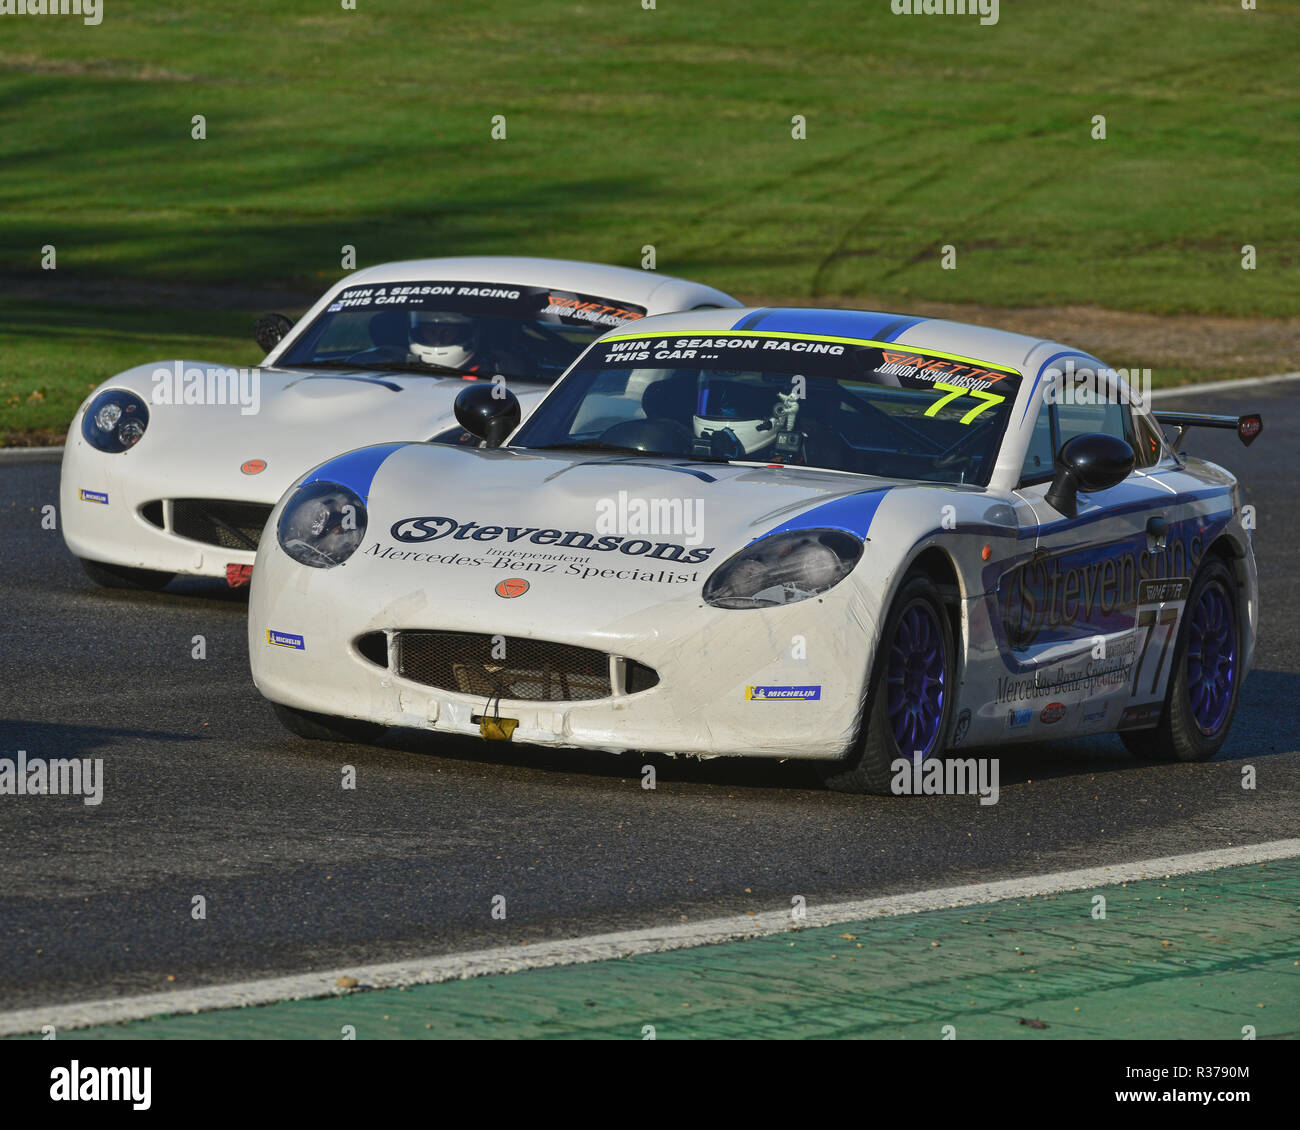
column 1235, row 555
column 928, row 559
column 941, row 569
column 938, row 565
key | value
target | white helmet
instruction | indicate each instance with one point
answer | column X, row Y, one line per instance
column 442, row 338
column 750, row 412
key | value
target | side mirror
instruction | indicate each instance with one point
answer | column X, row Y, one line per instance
column 271, row 330
column 1090, row 462
column 489, row 411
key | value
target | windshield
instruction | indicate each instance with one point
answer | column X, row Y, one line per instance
column 466, row 329
column 785, row 400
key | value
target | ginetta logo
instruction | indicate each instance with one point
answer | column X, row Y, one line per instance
column 254, row 467
column 912, row 364
column 512, row 586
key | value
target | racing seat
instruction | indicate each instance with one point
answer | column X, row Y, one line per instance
column 672, row 398
column 824, row 419
column 388, row 330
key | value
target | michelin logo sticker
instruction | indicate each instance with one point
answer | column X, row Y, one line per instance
column 1017, row 718
column 286, row 639
column 764, row 694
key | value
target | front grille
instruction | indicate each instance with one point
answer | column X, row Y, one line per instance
column 373, row 647
column 638, row 677
column 502, row 666
column 215, row 521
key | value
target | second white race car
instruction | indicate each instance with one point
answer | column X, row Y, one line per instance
column 172, row 468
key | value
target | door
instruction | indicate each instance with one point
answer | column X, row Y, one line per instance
column 1091, row 612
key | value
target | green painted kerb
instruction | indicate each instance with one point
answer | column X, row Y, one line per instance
column 1199, row 956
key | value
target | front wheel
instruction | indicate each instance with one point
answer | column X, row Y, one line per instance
column 124, row 577
column 1205, row 677
column 326, row 727
column 909, row 701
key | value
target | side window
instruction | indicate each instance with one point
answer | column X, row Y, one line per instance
column 1038, row 459
column 1148, row 445
column 1100, row 416
column 1060, row 421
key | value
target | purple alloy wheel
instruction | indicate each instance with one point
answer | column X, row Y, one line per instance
column 915, row 681
column 1211, row 658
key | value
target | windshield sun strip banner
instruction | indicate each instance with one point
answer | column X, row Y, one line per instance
column 893, row 347
column 565, row 307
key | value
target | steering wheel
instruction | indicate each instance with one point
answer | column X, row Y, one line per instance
column 377, row 353
column 548, row 334
column 658, row 435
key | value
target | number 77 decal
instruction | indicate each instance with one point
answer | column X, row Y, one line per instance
column 1147, row 619
column 954, row 391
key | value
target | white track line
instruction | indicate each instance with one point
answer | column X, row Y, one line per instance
column 1223, row 386
column 602, row 947
column 30, row 454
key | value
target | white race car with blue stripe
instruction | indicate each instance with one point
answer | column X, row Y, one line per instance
column 859, row 538
column 172, row 468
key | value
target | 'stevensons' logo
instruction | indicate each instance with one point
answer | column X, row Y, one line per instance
column 436, row 527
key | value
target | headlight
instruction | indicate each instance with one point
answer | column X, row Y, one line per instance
column 322, row 524
column 115, row 420
column 783, row 569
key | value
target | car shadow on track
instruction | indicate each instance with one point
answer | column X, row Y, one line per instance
column 48, row 740
column 1079, row 758
column 1257, row 732
column 207, row 588
column 736, row 772
column 194, row 593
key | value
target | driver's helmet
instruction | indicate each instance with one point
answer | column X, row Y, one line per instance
column 443, row 338
column 747, row 410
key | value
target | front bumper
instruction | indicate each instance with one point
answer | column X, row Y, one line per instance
column 122, row 510
column 304, row 626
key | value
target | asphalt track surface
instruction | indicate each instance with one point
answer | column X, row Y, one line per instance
column 206, row 795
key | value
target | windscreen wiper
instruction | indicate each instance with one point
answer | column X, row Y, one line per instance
column 416, row 368
column 597, row 445
column 377, row 366
column 328, row 364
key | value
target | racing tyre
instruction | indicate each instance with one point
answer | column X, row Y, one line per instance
column 1205, row 677
column 123, row 577
column 325, row 727
column 909, row 704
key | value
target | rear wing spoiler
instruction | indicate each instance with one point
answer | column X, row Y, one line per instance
column 1247, row 427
